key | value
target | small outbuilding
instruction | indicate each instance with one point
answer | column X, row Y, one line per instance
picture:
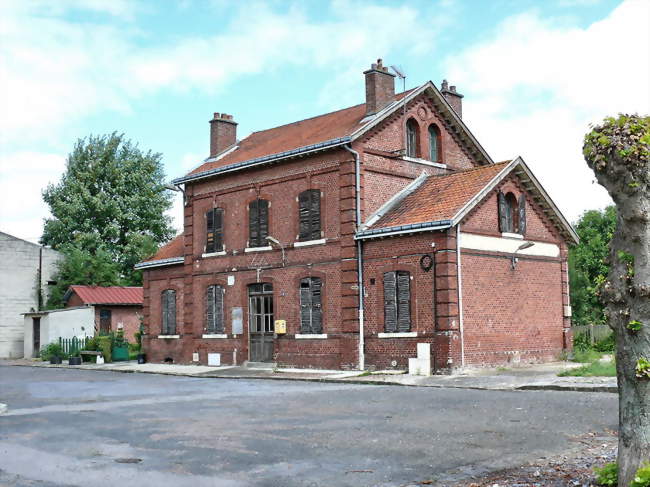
column 115, row 307
column 44, row 327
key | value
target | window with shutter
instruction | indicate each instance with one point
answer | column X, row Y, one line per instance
column 209, row 231
column 168, row 312
column 510, row 213
column 214, row 309
column 258, row 223
column 412, row 139
column 522, row 214
column 397, row 301
column 434, row 143
column 311, row 314
column 309, row 215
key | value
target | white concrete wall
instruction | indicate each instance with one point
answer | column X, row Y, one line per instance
column 19, row 261
column 61, row 323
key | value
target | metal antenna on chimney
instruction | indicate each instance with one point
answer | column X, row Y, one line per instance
column 401, row 75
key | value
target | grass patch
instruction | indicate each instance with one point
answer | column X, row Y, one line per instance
column 594, row 369
column 586, row 356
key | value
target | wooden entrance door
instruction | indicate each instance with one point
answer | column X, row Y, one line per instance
column 260, row 319
column 36, row 335
column 104, row 321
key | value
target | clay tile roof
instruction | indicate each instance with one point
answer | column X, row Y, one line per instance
column 170, row 250
column 306, row 132
column 108, row 294
column 439, row 197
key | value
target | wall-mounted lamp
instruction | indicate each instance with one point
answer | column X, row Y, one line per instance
column 515, row 259
column 277, row 242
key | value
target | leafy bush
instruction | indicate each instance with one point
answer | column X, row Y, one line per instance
column 105, row 346
column 92, row 345
column 608, row 475
column 642, row 476
column 606, row 344
column 581, row 342
column 586, row 356
column 52, row 350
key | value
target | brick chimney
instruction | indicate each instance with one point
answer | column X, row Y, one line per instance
column 380, row 87
column 223, row 133
column 454, row 98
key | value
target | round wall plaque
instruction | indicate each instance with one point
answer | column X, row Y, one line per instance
column 426, row 262
column 423, row 114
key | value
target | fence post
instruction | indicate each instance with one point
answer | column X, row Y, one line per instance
column 591, row 334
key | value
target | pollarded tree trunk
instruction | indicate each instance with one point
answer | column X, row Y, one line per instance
column 619, row 153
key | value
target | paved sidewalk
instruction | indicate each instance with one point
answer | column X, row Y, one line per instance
column 525, row 377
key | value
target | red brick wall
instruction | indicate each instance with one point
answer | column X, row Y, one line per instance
column 74, row 301
column 128, row 316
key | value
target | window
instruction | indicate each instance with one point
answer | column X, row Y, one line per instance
column 412, row 138
column 512, row 213
column 311, row 313
column 397, row 301
column 168, row 311
column 258, row 223
column 214, row 309
column 309, row 215
column 434, row 144
column 214, row 230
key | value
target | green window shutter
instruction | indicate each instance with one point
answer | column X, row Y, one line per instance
column 218, row 229
column 390, row 302
column 305, row 306
column 522, row 214
column 503, row 213
column 209, row 310
column 218, row 309
column 304, row 217
column 164, row 313
column 263, row 207
column 209, row 224
column 315, row 214
column 433, row 144
column 317, row 305
column 171, row 321
column 403, row 301
column 254, row 224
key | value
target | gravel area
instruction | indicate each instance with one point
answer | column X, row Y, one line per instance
column 574, row 469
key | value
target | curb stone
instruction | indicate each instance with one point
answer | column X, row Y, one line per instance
column 3, row 408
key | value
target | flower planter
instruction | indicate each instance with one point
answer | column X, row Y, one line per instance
column 74, row 361
column 142, row 358
column 120, row 354
column 55, row 360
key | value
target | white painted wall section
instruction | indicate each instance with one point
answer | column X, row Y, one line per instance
column 507, row 245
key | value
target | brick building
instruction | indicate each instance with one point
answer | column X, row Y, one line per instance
column 394, row 197
column 114, row 307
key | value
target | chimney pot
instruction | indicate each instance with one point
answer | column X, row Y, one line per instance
column 380, row 87
column 223, row 133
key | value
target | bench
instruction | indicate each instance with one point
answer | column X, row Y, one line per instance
column 91, row 352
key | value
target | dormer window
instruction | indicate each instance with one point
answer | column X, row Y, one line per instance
column 512, row 213
column 434, row 144
column 412, row 138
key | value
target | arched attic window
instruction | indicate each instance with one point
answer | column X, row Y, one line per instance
column 412, row 138
column 435, row 154
column 512, row 213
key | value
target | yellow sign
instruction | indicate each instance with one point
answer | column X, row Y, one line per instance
column 280, row 327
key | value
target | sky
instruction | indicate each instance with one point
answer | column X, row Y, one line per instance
column 535, row 75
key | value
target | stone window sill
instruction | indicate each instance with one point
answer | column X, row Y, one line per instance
column 214, row 254
column 307, row 243
column 425, row 162
column 166, row 337
column 407, row 334
column 311, row 336
column 512, row 235
column 214, row 335
column 258, row 249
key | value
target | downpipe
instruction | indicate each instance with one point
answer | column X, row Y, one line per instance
column 460, row 298
column 357, row 195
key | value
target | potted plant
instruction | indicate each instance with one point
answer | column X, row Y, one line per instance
column 120, row 347
column 53, row 352
column 75, row 357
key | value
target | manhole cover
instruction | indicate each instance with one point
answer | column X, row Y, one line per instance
column 128, row 460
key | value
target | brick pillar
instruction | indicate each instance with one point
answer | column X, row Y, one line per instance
column 447, row 342
column 567, row 334
column 349, row 268
column 186, row 329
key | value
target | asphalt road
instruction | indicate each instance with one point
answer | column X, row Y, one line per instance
column 91, row 428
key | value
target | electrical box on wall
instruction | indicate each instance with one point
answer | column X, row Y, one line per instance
column 280, row 327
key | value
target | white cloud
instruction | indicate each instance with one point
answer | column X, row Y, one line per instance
column 22, row 177
column 533, row 89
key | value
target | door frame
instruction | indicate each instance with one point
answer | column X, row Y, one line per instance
column 265, row 289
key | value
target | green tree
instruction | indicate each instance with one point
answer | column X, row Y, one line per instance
column 618, row 151
column 107, row 212
column 588, row 265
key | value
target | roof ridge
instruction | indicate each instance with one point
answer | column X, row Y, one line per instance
column 477, row 168
column 324, row 114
